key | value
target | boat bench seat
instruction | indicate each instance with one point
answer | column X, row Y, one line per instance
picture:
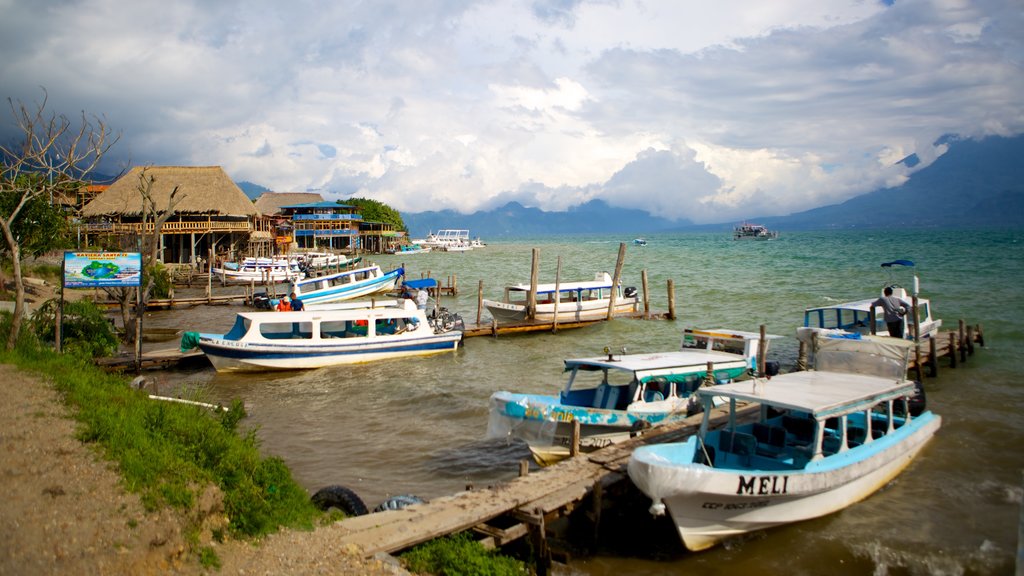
column 799, row 430
column 739, row 443
column 607, row 396
column 771, row 440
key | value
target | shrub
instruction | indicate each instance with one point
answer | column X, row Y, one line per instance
column 84, row 328
column 460, row 555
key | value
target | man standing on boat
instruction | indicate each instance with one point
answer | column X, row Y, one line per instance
column 895, row 309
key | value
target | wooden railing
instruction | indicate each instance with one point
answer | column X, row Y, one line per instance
column 168, row 227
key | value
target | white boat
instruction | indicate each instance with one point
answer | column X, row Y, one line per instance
column 316, row 338
column 315, row 260
column 260, row 270
column 576, row 301
column 412, row 249
column 448, row 240
column 613, row 396
column 811, row 443
column 639, row 242
column 855, row 316
column 346, row 285
column 747, row 231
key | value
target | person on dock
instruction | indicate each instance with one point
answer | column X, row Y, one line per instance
column 895, row 309
column 297, row 305
column 283, row 305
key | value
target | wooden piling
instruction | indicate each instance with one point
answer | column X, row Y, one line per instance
column 952, row 349
column 962, row 333
column 970, row 340
column 479, row 301
column 762, row 350
column 616, row 278
column 524, row 468
column 801, row 356
column 933, row 356
column 981, row 336
column 531, row 299
column 558, row 295
column 671, row 299
column 574, row 446
column 647, row 298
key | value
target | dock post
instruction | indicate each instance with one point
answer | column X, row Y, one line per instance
column 963, row 341
column 479, row 301
column 981, row 336
column 615, row 279
column 531, row 298
column 558, row 293
column 538, row 533
column 455, row 285
column 709, row 376
column 933, row 356
column 671, row 299
column 596, row 503
column 952, row 349
column 872, row 321
column 524, row 468
column 762, row 351
column 574, row 446
column 647, row 297
column 970, row 340
column 801, row 356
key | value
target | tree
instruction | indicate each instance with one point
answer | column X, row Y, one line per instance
column 375, row 211
column 49, row 153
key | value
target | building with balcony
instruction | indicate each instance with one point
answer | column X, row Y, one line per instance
column 325, row 226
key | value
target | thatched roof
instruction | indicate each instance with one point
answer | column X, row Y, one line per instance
column 270, row 203
column 202, row 189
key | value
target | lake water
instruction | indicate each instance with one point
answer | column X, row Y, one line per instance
column 417, row 426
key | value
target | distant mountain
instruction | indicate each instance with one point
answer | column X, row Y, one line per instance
column 976, row 183
column 251, row 190
column 515, row 220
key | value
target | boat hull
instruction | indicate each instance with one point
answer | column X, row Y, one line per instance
column 588, row 310
column 709, row 505
column 231, row 356
column 348, row 291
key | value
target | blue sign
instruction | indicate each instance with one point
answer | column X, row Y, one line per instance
column 102, row 269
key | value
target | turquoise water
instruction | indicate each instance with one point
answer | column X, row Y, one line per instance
column 417, row 426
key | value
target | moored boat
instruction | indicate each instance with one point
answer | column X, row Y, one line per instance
column 612, row 396
column 575, row 301
column 259, row 270
column 346, row 285
column 820, row 440
column 855, row 316
column 316, row 338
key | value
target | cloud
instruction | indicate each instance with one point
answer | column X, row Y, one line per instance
column 711, row 112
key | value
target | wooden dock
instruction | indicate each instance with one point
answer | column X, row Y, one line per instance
column 153, row 360
column 521, row 507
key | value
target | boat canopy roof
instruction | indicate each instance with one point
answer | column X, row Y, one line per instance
column 728, row 334
column 656, row 363
column 603, row 282
column 343, row 311
column 819, row 393
column 421, row 283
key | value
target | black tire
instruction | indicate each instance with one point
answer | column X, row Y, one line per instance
column 341, row 498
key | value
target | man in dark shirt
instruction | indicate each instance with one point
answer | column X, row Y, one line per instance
column 895, row 309
column 296, row 303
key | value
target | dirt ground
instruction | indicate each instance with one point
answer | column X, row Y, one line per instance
column 66, row 511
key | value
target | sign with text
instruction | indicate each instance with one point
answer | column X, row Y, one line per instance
column 102, row 269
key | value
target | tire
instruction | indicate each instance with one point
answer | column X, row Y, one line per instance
column 341, row 498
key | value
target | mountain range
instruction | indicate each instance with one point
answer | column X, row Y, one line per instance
column 976, row 183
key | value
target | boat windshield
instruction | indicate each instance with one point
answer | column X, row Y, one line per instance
column 587, row 377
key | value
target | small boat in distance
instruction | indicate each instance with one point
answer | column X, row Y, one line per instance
column 449, row 240
column 577, row 301
column 747, row 231
column 262, row 341
column 639, row 242
column 821, row 440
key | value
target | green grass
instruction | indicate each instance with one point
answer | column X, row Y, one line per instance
column 460, row 555
column 168, row 452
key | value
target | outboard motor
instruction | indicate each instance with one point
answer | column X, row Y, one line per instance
column 629, row 291
column 261, row 301
column 771, row 368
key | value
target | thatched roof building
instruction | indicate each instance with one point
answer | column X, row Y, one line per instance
column 202, row 189
column 270, row 203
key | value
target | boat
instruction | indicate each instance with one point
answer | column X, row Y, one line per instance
column 855, row 316
column 317, row 260
column 449, row 240
column 614, row 396
column 806, row 444
column 346, row 285
column 639, row 242
column 576, row 301
column 260, row 270
column 261, row 341
column 747, row 231
column 411, row 249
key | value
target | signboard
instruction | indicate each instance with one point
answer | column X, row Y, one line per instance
column 102, row 269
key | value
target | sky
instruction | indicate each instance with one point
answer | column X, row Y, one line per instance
column 695, row 111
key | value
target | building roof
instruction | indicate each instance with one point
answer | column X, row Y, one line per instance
column 202, row 189
column 321, row 204
column 271, row 203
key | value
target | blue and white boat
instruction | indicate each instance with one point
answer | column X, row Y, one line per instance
column 800, row 446
column 582, row 301
column 614, row 395
column 313, row 339
column 346, row 285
